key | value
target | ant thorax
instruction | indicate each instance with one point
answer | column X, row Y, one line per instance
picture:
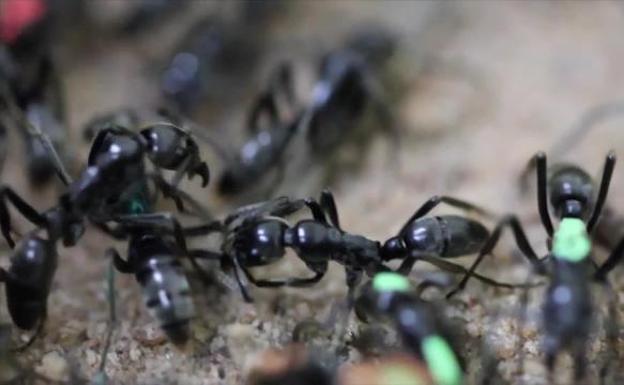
column 571, row 241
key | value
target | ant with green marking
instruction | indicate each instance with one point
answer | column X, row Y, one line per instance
column 567, row 311
column 420, row 327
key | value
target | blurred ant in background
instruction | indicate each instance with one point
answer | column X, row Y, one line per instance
column 30, row 87
column 346, row 84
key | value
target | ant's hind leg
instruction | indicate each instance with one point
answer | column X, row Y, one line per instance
column 434, row 201
column 521, row 241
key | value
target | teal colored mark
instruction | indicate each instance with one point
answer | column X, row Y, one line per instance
column 137, row 206
column 441, row 361
column 394, row 374
column 387, row 281
column 571, row 241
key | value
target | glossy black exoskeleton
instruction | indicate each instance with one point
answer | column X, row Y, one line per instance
column 155, row 245
column 264, row 152
column 435, row 239
column 259, row 237
column 212, row 56
column 568, row 311
column 346, row 85
column 113, row 185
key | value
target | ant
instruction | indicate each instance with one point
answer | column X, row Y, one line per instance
column 567, row 311
column 265, row 151
column 417, row 322
column 345, row 86
column 106, row 191
column 259, row 235
column 30, row 86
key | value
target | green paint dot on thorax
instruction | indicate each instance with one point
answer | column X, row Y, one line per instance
column 387, row 281
column 441, row 361
column 571, row 241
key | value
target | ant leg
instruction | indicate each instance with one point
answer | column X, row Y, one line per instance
column 604, row 190
column 542, row 198
column 459, row 269
column 580, row 363
column 120, row 264
column 201, row 230
column 521, row 241
column 453, row 202
column 7, row 194
column 353, row 278
column 612, row 261
column 243, row 288
column 611, row 326
column 433, row 281
column 264, row 104
column 278, row 207
column 328, row 203
column 178, row 196
column 101, row 377
column 317, row 211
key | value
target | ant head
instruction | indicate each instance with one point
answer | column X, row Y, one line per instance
column 571, row 192
column 393, row 248
column 168, row 145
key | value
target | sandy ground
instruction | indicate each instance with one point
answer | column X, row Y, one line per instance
column 489, row 84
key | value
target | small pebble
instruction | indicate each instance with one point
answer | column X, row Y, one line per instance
column 53, row 366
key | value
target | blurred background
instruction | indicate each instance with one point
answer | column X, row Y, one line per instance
column 474, row 89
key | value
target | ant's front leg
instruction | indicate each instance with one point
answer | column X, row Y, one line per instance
column 178, row 196
column 29, row 212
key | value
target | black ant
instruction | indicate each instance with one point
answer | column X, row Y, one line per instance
column 567, row 311
column 265, row 151
column 345, row 86
column 259, row 236
column 112, row 185
column 30, row 89
column 417, row 323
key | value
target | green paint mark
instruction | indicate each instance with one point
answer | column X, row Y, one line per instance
column 441, row 361
column 136, row 206
column 571, row 241
column 400, row 375
column 390, row 282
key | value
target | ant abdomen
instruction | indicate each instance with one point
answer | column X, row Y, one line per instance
column 29, row 279
column 313, row 241
column 447, row 236
column 166, row 291
column 571, row 191
column 463, row 236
